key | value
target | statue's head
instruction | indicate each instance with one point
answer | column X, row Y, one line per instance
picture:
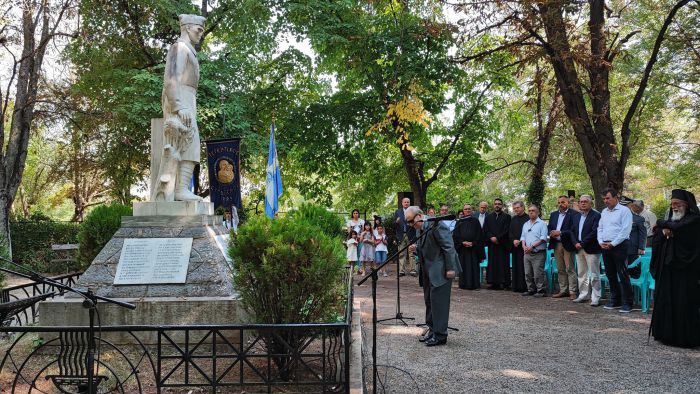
column 193, row 26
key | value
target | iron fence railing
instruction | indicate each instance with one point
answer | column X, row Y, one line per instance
column 33, row 289
column 304, row 358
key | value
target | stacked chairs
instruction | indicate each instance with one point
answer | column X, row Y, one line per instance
column 550, row 270
column 643, row 286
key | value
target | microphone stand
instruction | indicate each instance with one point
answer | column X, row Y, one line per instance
column 89, row 303
column 375, row 277
column 399, row 316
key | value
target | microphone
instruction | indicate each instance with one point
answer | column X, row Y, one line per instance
column 439, row 218
column 463, row 219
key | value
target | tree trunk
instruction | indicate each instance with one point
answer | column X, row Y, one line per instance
column 24, row 202
column 78, row 209
column 5, row 204
column 597, row 146
column 414, row 178
column 38, row 27
column 604, row 157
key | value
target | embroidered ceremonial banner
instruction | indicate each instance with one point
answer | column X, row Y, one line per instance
column 223, row 158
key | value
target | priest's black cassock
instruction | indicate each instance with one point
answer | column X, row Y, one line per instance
column 517, row 254
column 470, row 258
column 498, row 273
column 675, row 264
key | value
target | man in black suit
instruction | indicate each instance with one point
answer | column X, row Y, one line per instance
column 404, row 233
column 561, row 240
column 585, row 227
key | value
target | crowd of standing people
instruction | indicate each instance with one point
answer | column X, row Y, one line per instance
column 578, row 237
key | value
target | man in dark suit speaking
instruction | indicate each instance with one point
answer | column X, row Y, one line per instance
column 438, row 267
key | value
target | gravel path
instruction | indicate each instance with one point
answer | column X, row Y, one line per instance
column 509, row 343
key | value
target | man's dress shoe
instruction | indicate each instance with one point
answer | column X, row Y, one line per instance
column 425, row 337
column 435, row 342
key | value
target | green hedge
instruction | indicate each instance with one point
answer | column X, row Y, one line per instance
column 32, row 240
column 97, row 229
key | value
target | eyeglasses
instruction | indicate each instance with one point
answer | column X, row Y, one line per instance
column 410, row 221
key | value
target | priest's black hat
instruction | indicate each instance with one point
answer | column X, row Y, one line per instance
column 686, row 196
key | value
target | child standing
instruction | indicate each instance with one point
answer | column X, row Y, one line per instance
column 367, row 240
column 351, row 243
column 380, row 250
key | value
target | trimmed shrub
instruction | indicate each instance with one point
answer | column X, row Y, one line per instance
column 97, row 229
column 288, row 270
column 329, row 223
column 32, row 240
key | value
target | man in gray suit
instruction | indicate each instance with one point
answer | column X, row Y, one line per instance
column 438, row 266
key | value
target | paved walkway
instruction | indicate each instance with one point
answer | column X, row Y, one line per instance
column 508, row 343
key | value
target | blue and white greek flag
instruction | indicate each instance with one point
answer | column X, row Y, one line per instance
column 273, row 181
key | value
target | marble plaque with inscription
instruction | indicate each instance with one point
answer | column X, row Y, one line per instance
column 146, row 261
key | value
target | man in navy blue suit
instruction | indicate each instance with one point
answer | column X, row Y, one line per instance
column 561, row 241
column 585, row 227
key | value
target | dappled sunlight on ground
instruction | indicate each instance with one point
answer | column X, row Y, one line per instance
column 640, row 321
column 512, row 373
column 507, row 344
column 399, row 330
column 614, row 330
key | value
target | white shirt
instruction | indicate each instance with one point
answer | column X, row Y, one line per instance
column 615, row 225
column 580, row 224
column 357, row 226
column 560, row 221
column 482, row 217
column 380, row 247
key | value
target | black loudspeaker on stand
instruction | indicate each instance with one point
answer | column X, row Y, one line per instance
column 89, row 303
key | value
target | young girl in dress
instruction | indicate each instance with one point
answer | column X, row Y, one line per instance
column 380, row 249
column 352, row 248
column 356, row 224
column 367, row 240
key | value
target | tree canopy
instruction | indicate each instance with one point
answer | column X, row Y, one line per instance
column 455, row 102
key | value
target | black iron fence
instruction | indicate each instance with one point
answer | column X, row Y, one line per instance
column 28, row 314
column 304, row 358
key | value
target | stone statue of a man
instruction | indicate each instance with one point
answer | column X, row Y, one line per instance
column 181, row 146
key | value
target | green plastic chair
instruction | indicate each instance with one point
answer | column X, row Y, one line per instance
column 483, row 265
column 603, row 277
column 641, row 284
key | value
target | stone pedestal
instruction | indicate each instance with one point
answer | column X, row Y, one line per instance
column 207, row 297
column 173, row 208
